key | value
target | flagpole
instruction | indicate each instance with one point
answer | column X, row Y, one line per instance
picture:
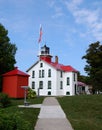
column 40, row 37
column 39, row 49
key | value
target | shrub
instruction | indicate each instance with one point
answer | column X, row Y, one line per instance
column 14, row 121
column 31, row 93
column 4, row 100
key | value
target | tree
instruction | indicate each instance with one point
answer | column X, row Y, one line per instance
column 94, row 64
column 7, row 53
column 83, row 78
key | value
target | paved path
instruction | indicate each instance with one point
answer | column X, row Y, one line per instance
column 52, row 117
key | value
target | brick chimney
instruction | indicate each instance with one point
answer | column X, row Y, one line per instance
column 56, row 59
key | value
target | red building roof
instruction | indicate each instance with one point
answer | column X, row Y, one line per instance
column 62, row 67
column 81, row 83
column 15, row 72
column 57, row 66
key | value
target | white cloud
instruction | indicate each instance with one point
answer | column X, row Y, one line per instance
column 86, row 16
column 73, row 5
column 58, row 12
column 91, row 19
column 51, row 3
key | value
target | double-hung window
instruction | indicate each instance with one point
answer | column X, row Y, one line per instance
column 68, row 81
column 39, row 73
column 61, row 85
column 33, row 74
column 42, row 73
column 33, row 85
column 49, row 84
column 40, row 84
column 49, row 72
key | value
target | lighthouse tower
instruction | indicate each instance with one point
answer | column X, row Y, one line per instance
column 45, row 54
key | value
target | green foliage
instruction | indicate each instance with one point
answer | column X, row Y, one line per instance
column 7, row 52
column 93, row 68
column 10, row 121
column 4, row 100
column 20, row 118
column 84, row 79
column 31, row 93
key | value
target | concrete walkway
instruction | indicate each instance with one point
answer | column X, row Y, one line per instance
column 52, row 117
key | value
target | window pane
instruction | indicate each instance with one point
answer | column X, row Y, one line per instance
column 74, row 76
column 61, row 74
column 61, row 85
column 41, row 64
column 49, row 93
column 49, row 73
column 33, row 85
column 41, row 84
column 68, row 80
column 39, row 73
column 67, row 93
column 49, row 84
column 33, row 74
column 42, row 73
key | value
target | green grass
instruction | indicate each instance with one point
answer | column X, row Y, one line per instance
column 84, row 112
column 28, row 114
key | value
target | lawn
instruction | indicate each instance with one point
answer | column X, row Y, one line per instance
column 28, row 114
column 84, row 111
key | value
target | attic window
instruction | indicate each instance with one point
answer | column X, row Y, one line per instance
column 61, row 74
column 74, row 77
column 33, row 74
column 41, row 64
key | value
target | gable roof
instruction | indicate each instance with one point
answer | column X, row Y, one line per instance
column 32, row 66
column 15, row 72
column 57, row 66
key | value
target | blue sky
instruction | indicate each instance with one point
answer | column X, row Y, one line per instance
column 69, row 26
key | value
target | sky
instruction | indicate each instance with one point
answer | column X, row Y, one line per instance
column 69, row 27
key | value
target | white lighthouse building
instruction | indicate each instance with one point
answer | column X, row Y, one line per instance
column 52, row 78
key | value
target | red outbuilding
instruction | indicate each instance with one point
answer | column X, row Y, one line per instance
column 12, row 82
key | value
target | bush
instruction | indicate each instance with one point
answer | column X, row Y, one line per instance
column 14, row 121
column 4, row 100
column 31, row 93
